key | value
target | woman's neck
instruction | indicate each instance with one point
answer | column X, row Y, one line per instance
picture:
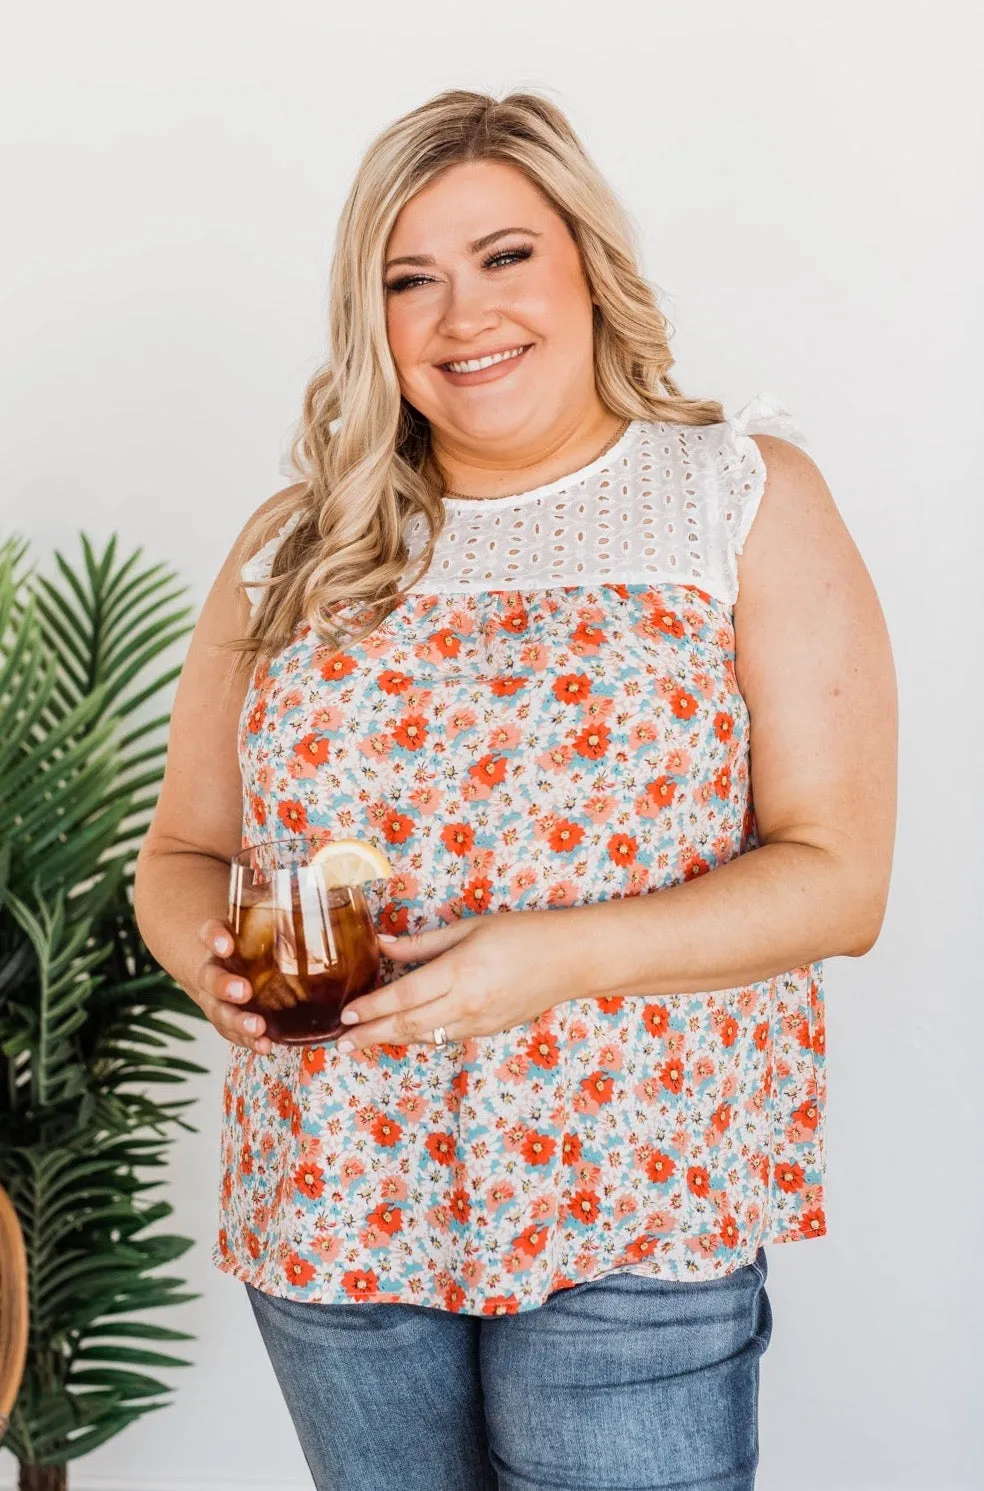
column 473, row 473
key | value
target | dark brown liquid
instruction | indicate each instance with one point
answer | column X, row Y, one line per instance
column 301, row 993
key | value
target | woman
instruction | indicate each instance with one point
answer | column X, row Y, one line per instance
column 510, row 1231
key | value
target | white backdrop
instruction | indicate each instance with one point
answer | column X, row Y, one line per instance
column 804, row 183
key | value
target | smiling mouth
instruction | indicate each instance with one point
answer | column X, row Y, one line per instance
column 477, row 364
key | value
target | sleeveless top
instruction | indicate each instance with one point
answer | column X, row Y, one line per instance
column 550, row 718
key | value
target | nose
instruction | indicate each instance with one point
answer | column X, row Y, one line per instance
column 468, row 311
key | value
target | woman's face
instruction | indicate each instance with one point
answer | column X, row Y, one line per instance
column 495, row 271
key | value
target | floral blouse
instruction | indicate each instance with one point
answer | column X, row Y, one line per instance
column 550, row 718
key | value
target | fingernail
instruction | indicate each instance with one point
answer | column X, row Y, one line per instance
column 252, row 1023
column 349, row 1017
column 223, row 945
column 239, row 990
column 346, row 1045
column 387, row 937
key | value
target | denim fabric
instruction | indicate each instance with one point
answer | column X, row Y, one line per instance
column 625, row 1383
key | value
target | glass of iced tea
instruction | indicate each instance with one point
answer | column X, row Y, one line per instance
column 307, row 946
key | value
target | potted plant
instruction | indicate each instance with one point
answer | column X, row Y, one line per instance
column 88, row 1022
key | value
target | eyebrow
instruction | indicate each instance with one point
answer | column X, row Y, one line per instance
column 473, row 248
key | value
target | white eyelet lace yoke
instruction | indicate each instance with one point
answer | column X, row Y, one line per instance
column 668, row 503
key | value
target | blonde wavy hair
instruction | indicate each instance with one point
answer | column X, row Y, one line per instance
column 361, row 449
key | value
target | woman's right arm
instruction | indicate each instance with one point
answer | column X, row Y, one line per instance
column 182, row 874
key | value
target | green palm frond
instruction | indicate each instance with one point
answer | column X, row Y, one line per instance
column 88, row 1021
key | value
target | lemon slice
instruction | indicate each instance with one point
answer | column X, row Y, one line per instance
column 351, row 861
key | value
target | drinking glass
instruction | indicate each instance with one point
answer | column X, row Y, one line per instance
column 306, row 948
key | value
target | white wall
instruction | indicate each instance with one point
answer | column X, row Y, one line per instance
column 804, row 181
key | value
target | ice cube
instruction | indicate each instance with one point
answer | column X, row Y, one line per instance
column 256, row 932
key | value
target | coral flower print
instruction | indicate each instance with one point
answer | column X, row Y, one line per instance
column 682, row 704
column 293, row 816
column 531, row 732
column 565, row 836
column 572, row 688
column 623, row 848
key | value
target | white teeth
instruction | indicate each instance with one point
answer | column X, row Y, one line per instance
column 483, row 362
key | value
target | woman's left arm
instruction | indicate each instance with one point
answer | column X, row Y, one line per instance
column 815, row 668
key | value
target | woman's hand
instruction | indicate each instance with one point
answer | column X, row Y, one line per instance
column 219, row 992
column 480, row 975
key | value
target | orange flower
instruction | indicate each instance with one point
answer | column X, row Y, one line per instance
column 790, row 1178
column 448, row 643
column 501, row 1304
column 728, row 1232
column 611, row 1004
column 299, row 1271
column 394, row 918
column 565, row 836
column 661, row 792
column 294, row 816
column 593, row 742
column 477, row 893
column 572, row 688
column 584, row 1207
column 570, row 1149
column 254, row 722
column 337, row 667
column 397, row 827
column 722, row 784
column 668, row 622
column 454, row 1298
column 671, row 1076
column 460, row 1205
column 392, row 682
column 458, row 837
column 490, row 769
column 641, row 1248
column 587, row 635
column 682, row 704
column 253, row 1245
column 532, row 1241
column 411, row 732
column 388, row 1219
column 441, row 1147
column 360, row 1283
column 598, row 1087
column 245, row 1160
column 259, row 810
column 729, row 1030
column 661, row 1168
column 656, row 1018
column 507, row 684
column 313, row 748
column 310, row 1179
column 537, row 1149
column 760, row 1035
column 623, row 848
column 721, row 1117
column 543, row 1051
column 807, row 1115
column 813, row 1223
column 724, row 726
column 698, row 1181
column 459, row 1083
column 693, row 866
column 515, row 621
column 386, row 1131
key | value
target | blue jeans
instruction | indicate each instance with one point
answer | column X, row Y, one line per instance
column 625, row 1383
